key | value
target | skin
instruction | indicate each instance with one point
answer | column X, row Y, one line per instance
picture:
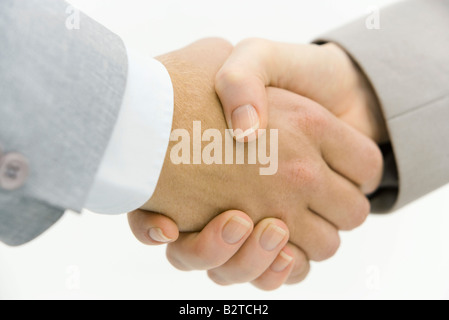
column 325, row 74
column 315, row 198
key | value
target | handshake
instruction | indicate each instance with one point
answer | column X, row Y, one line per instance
column 274, row 150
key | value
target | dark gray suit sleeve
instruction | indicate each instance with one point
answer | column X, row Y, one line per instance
column 407, row 62
column 60, row 94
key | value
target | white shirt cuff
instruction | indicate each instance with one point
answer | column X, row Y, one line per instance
column 133, row 160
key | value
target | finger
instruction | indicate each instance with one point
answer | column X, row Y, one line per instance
column 290, row 260
column 357, row 158
column 301, row 266
column 255, row 256
column 214, row 245
column 240, row 85
column 152, row 228
column 255, row 64
column 340, row 202
column 318, row 238
column 345, row 150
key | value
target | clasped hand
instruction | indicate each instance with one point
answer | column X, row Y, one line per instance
column 255, row 228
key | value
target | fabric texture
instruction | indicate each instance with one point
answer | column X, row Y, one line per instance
column 60, row 93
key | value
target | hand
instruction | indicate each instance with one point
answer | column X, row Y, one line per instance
column 322, row 163
column 203, row 259
column 215, row 248
column 228, row 256
column 325, row 74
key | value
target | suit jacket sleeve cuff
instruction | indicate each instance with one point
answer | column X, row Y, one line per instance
column 133, row 160
column 407, row 62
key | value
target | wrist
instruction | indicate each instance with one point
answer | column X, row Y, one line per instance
column 367, row 117
column 373, row 107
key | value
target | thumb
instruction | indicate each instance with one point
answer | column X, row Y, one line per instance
column 240, row 84
column 152, row 228
column 256, row 64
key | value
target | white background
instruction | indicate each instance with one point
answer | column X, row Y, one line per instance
column 404, row 255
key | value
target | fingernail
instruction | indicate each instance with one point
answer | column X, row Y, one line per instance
column 245, row 122
column 272, row 237
column 235, row 230
column 158, row 235
column 282, row 261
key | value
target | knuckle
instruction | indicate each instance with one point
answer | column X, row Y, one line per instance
column 198, row 256
column 299, row 272
column 313, row 122
column 358, row 214
column 329, row 247
column 218, row 278
column 175, row 261
column 374, row 164
column 227, row 77
column 245, row 274
column 232, row 275
column 307, row 174
column 202, row 252
column 362, row 210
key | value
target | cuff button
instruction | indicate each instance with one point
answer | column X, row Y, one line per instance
column 14, row 171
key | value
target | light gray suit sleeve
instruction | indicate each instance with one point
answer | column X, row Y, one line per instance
column 60, row 94
column 407, row 62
